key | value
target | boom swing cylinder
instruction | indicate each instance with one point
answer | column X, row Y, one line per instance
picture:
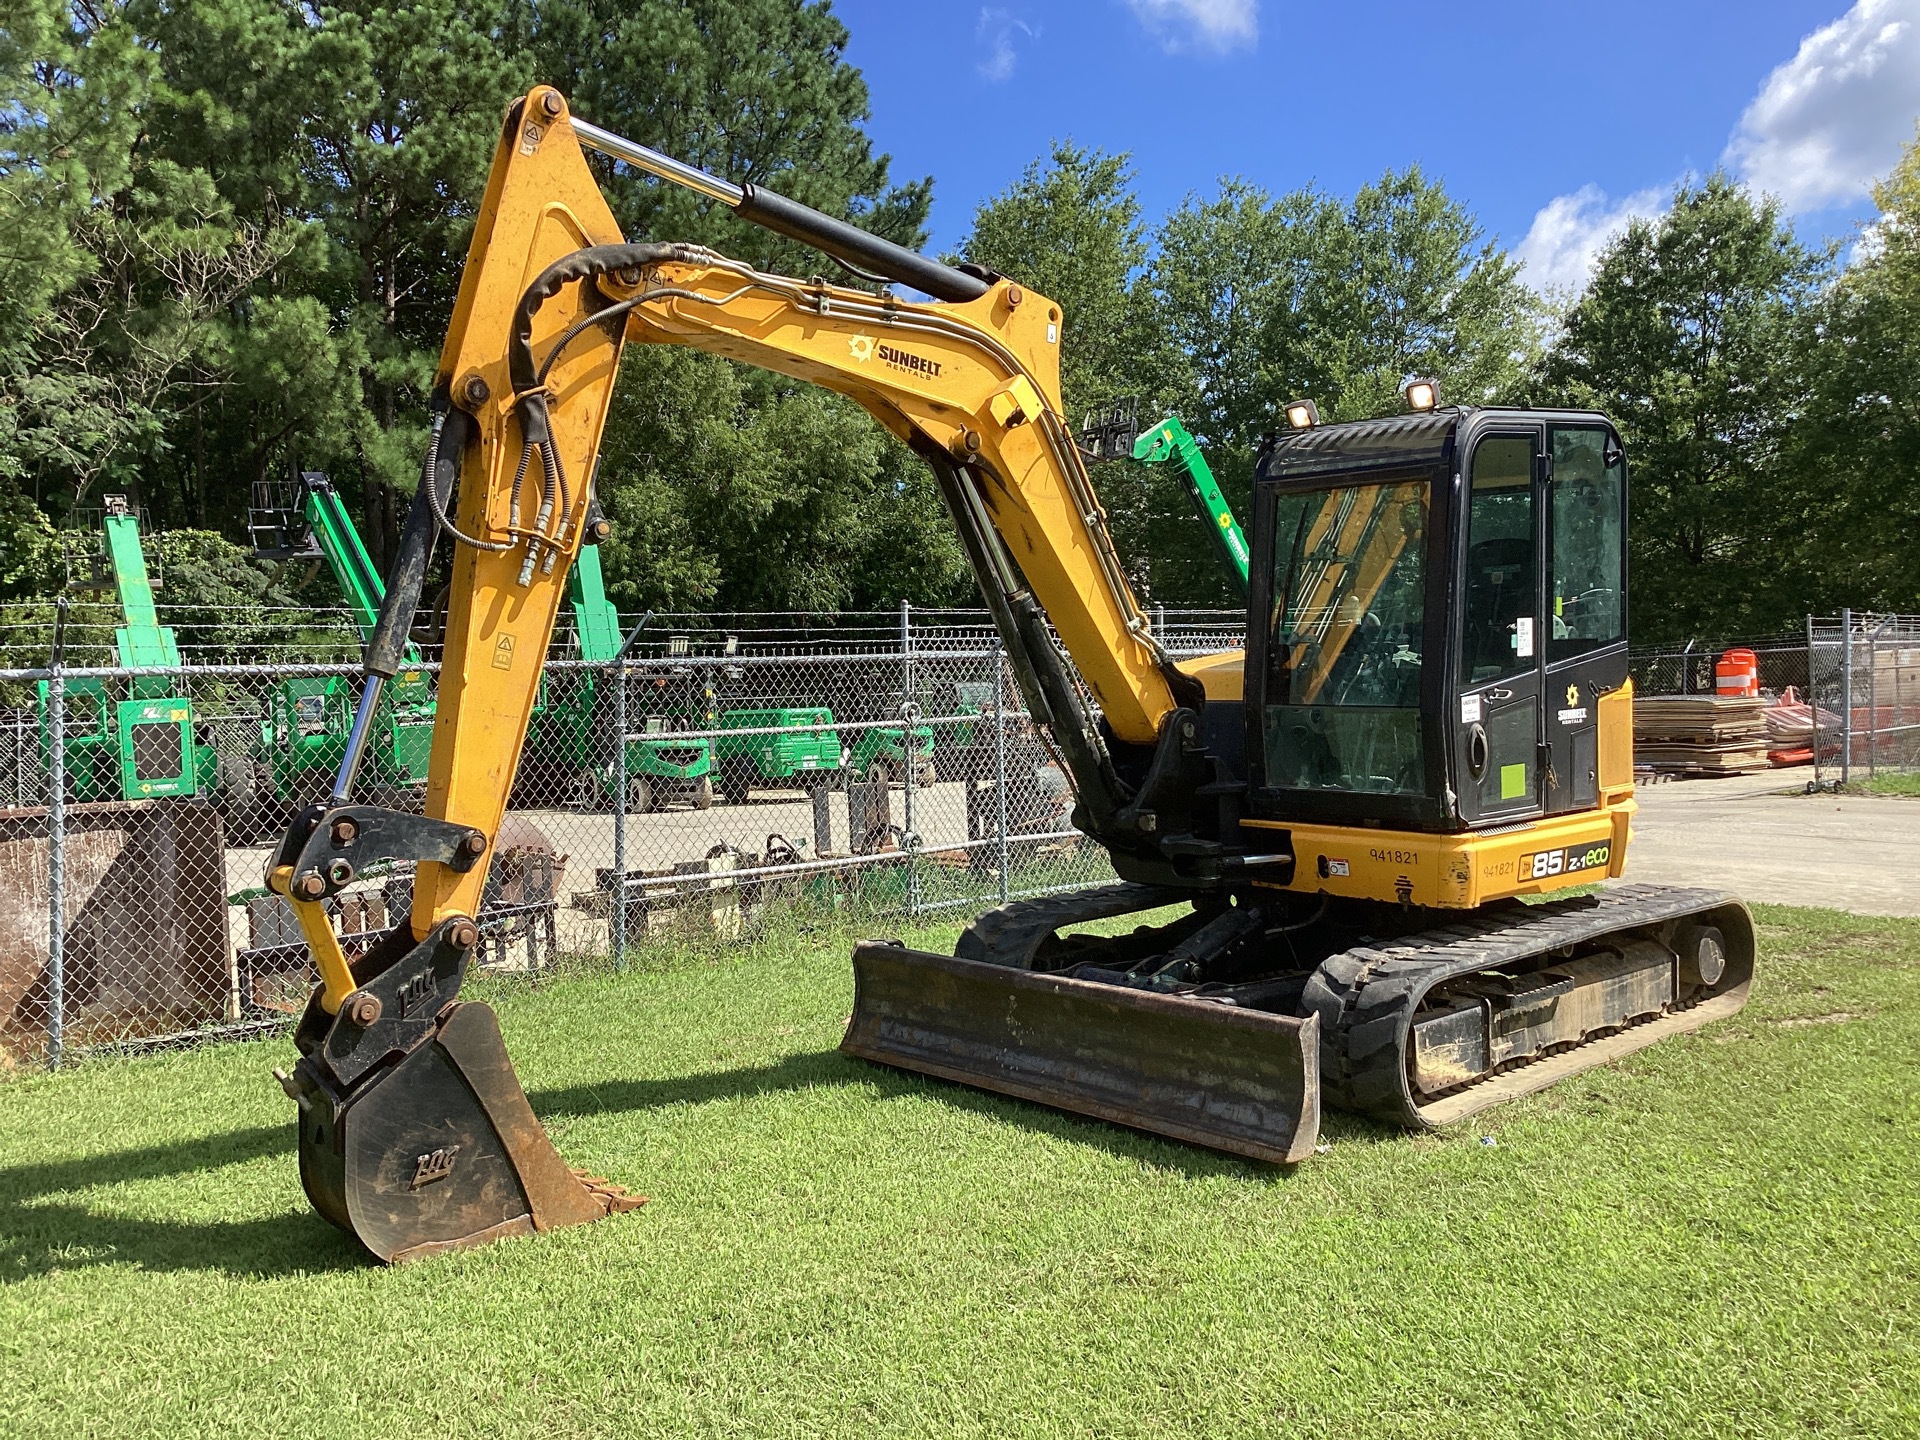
column 1292, row 962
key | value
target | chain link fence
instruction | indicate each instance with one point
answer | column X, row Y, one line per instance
column 1865, row 693
column 1688, row 669
column 724, row 772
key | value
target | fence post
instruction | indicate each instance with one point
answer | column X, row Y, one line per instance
column 1899, row 722
column 1846, row 695
column 1812, row 697
column 909, row 715
column 617, row 914
column 57, row 843
column 1000, row 760
column 1873, row 696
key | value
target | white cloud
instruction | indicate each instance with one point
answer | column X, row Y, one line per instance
column 1834, row 117
column 1200, row 24
column 1570, row 231
column 997, row 31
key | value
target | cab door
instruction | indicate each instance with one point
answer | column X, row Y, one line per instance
column 1499, row 661
column 1586, row 618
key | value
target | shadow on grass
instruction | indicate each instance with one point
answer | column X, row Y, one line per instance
column 39, row 1236
column 825, row 1068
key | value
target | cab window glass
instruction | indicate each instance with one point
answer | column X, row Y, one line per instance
column 1501, row 582
column 1588, row 516
column 1344, row 639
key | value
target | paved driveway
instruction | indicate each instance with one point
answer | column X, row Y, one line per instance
column 1764, row 838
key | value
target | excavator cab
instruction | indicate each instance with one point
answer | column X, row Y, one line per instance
column 1439, row 610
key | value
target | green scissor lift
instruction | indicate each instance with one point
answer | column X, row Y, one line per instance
column 304, row 734
column 564, row 739
column 146, row 745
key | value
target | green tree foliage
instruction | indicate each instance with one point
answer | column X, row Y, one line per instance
column 732, row 499
column 234, row 231
column 367, row 129
column 213, row 591
column 754, row 90
column 1688, row 336
column 1851, row 470
column 231, row 233
column 117, row 262
column 1070, row 229
column 1239, row 303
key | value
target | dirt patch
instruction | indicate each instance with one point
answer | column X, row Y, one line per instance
column 1837, row 1017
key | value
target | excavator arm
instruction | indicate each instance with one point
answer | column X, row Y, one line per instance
column 415, row 1134
column 970, row 382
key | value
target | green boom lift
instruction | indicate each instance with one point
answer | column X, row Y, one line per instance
column 145, row 746
column 304, row 734
column 564, row 740
column 1169, row 443
column 1114, row 433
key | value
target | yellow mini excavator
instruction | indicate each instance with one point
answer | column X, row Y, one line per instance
column 1430, row 726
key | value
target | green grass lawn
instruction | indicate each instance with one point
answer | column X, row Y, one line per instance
column 1892, row 782
column 1718, row 1236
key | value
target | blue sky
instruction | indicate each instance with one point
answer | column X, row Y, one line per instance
column 1553, row 122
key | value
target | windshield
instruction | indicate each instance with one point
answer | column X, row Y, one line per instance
column 1344, row 638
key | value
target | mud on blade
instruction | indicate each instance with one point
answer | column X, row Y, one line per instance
column 1243, row 1081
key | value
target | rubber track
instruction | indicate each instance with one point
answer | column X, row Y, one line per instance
column 1011, row 934
column 1366, row 996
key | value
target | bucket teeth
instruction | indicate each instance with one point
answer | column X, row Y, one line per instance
column 612, row 1196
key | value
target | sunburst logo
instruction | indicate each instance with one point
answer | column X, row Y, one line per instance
column 1573, row 696
column 862, row 347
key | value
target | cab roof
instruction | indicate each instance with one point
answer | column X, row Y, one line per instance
column 1396, row 441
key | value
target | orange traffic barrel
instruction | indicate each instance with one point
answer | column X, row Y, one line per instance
column 1737, row 673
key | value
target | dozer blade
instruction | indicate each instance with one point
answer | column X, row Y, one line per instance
column 1243, row 1081
column 415, row 1136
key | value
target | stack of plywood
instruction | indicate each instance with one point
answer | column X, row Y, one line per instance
column 1793, row 726
column 1700, row 734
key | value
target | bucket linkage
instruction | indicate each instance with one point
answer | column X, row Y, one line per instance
column 415, row 1135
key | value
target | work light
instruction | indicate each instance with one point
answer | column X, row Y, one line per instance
column 1420, row 393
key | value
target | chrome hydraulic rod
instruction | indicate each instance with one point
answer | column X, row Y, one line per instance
column 665, row 167
column 357, row 738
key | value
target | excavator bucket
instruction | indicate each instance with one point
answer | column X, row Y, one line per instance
column 415, row 1136
column 1243, row 1081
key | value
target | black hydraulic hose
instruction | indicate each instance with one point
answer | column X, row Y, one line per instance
column 582, row 264
column 443, row 472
